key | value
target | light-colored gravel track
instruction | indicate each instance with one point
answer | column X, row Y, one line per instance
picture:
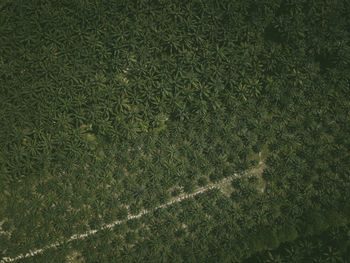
column 118, row 222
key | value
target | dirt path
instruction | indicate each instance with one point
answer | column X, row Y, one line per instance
column 110, row 226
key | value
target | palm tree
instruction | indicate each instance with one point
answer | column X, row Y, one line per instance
column 122, row 104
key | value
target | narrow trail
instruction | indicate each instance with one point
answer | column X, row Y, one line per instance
column 110, row 226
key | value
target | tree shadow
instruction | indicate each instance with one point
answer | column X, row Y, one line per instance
column 326, row 61
column 272, row 34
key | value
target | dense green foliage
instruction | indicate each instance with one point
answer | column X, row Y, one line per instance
column 111, row 107
column 330, row 246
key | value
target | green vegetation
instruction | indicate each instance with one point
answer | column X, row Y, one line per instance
column 329, row 246
column 108, row 108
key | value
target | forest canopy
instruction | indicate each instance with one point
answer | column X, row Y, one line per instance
column 111, row 108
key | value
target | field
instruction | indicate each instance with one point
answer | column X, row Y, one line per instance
column 174, row 131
